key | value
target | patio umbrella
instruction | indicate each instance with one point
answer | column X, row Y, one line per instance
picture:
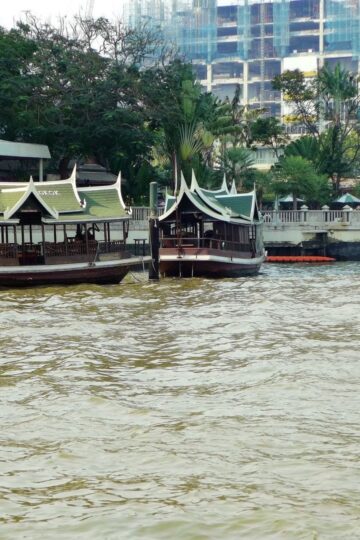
column 347, row 198
column 289, row 199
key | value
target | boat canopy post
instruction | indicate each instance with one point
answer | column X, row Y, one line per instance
column 65, row 240
column 87, row 240
column 43, row 242
column 154, row 232
column 41, row 170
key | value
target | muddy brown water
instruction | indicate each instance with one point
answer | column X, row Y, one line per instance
column 188, row 409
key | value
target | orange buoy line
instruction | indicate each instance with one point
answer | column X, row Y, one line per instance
column 298, row 258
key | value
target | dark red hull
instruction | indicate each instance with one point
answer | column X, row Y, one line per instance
column 52, row 276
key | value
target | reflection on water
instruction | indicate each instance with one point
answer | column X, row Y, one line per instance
column 187, row 409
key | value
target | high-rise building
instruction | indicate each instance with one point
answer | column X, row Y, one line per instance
column 248, row 42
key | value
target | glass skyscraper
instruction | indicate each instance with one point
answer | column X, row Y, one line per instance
column 248, row 42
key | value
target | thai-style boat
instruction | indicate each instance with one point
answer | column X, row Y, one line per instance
column 57, row 233
column 210, row 233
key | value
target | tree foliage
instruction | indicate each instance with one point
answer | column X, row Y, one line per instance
column 297, row 176
column 328, row 106
column 73, row 98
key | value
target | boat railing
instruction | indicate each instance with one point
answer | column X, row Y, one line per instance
column 70, row 249
column 114, row 246
column 203, row 242
column 8, row 251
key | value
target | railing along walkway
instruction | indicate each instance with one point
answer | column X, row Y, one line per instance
column 325, row 216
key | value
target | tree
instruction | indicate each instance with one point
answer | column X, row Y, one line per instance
column 236, row 162
column 189, row 119
column 302, row 94
column 16, row 81
column 269, row 132
column 297, row 176
column 261, row 180
column 328, row 107
column 79, row 99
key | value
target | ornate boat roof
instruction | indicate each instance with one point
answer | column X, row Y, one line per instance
column 61, row 201
column 222, row 204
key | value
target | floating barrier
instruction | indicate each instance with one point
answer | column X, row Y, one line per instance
column 298, row 259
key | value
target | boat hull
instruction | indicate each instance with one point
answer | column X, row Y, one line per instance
column 208, row 263
column 65, row 274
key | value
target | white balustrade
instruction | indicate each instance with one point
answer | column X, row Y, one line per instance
column 315, row 218
column 311, row 217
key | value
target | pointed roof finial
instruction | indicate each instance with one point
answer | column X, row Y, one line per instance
column 194, row 183
column 176, row 180
column 233, row 190
column 183, row 184
column 224, row 185
column 73, row 175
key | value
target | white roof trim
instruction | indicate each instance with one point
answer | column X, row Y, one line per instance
column 233, row 188
column 253, row 204
column 224, row 186
column 115, row 186
column 14, row 185
column 194, row 183
column 211, row 203
column 30, row 190
column 184, row 190
column 14, row 190
column 122, row 202
column 72, row 181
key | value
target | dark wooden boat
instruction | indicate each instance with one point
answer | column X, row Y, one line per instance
column 210, row 233
column 57, row 233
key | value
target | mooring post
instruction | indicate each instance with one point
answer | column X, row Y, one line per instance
column 154, row 233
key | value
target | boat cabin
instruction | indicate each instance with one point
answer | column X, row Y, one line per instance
column 210, row 232
column 49, row 223
column 212, row 218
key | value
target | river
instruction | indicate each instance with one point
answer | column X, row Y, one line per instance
column 185, row 409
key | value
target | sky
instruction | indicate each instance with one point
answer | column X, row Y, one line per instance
column 47, row 9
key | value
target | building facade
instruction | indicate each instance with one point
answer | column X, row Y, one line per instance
column 248, row 42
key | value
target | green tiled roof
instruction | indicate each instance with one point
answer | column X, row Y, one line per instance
column 218, row 204
column 63, row 202
column 205, row 203
column 59, row 197
column 100, row 204
column 240, row 205
column 169, row 202
column 217, row 193
column 8, row 199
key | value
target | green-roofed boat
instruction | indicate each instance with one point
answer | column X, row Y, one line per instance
column 210, row 233
column 57, row 233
